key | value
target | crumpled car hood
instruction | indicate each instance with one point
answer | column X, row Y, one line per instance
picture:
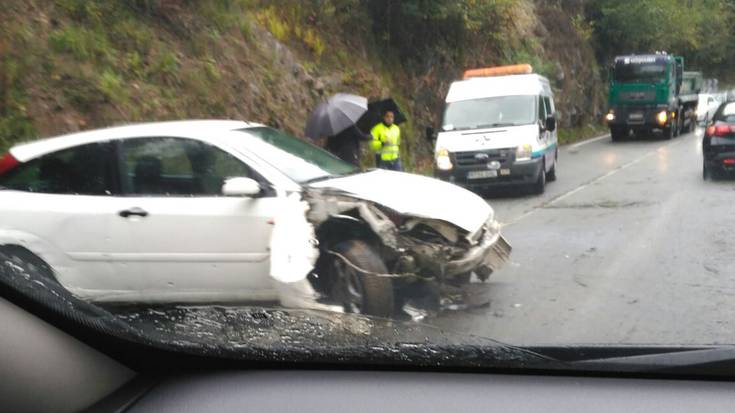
column 416, row 195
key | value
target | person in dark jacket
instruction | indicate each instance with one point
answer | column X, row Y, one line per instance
column 346, row 144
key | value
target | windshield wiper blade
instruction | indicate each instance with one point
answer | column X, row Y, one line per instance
column 495, row 125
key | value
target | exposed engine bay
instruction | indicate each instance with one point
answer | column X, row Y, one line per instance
column 430, row 263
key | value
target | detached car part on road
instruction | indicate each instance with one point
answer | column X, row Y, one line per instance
column 226, row 211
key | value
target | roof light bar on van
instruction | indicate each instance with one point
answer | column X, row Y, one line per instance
column 521, row 69
column 7, row 162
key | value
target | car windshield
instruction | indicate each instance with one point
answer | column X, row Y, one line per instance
column 490, row 112
column 300, row 161
column 485, row 184
column 634, row 72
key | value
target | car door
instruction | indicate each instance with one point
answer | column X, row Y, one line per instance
column 60, row 206
column 187, row 241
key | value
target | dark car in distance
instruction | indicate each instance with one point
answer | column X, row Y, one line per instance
column 718, row 144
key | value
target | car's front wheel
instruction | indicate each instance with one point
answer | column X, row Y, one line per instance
column 357, row 283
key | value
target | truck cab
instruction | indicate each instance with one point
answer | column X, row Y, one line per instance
column 498, row 129
column 647, row 94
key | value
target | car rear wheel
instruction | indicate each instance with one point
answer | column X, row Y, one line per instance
column 353, row 285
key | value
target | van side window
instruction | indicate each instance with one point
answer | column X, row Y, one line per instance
column 548, row 105
column 541, row 109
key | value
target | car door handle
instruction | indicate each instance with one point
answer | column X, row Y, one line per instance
column 133, row 212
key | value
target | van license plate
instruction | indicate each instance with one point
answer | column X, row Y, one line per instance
column 482, row 174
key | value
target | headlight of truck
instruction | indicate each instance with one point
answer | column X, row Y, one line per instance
column 662, row 117
column 443, row 161
column 524, row 152
column 610, row 117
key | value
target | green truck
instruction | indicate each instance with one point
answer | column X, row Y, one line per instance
column 652, row 92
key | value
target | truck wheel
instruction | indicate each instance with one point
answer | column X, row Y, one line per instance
column 669, row 132
column 359, row 292
column 540, row 185
column 616, row 134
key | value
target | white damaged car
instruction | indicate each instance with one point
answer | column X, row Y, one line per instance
column 229, row 211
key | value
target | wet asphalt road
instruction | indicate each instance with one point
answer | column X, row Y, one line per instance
column 630, row 245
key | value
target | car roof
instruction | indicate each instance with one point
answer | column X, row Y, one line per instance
column 511, row 85
column 187, row 128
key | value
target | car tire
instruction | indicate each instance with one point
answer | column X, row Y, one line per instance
column 356, row 291
column 706, row 172
column 540, row 186
column 29, row 261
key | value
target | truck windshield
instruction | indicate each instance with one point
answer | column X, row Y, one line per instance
column 490, row 112
column 639, row 72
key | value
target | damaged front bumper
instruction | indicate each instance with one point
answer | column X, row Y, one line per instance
column 490, row 255
column 432, row 263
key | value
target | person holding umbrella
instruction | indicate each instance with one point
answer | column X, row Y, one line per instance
column 336, row 119
column 346, row 144
column 386, row 143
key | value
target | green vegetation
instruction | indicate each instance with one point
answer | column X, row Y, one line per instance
column 699, row 30
column 567, row 136
column 73, row 64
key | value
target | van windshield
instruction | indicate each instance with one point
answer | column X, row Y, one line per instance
column 490, row 112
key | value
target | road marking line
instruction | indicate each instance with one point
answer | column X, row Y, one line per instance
column 591, row 182
column 579, row 144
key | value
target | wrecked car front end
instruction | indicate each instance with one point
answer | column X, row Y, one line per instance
column 432, row 264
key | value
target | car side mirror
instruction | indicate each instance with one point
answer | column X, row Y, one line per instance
column 430, row 134
column 247, row 187
column 550, row 124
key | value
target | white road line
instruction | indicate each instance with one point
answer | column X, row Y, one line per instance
column 579, row 144
column 592, row 182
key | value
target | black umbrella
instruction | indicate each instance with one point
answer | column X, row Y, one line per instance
column 375, row 113
column 335, row 115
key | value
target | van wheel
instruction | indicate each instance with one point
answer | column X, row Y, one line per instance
column 358, row 292
column 540, row 186
column 551, row 175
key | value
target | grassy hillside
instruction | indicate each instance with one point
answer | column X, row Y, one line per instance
column 71, row 65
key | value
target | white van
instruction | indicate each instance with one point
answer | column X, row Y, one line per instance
column 499, row 128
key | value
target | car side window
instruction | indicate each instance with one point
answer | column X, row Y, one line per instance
column 81, row 170
column 163, row 166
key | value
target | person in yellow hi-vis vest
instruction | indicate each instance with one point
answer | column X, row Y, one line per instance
column 386, row 143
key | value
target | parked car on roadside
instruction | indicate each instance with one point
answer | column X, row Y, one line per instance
column 203, row 211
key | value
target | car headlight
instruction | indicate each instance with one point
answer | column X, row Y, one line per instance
column 443, row 161
column 524, row 152
column 662, row 117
